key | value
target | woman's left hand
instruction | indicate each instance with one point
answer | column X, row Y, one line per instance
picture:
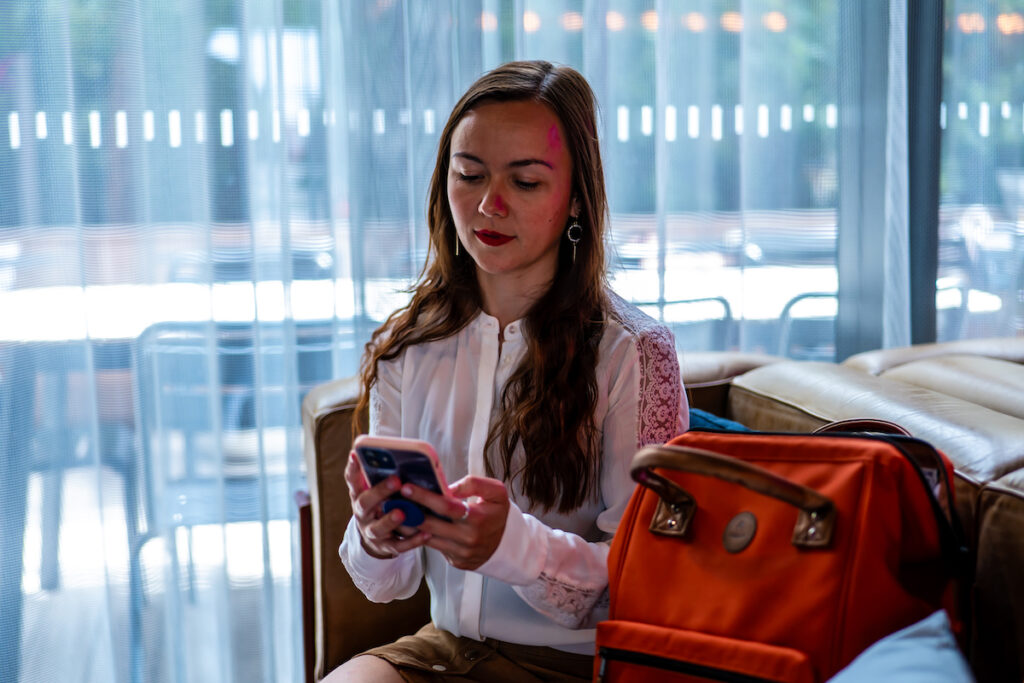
column 478, row 508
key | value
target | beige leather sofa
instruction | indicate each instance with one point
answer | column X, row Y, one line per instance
column 967, row 398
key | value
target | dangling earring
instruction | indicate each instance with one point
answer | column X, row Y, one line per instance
column 456, row 244
column 574, row 233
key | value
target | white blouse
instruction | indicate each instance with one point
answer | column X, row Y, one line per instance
column 546, row 584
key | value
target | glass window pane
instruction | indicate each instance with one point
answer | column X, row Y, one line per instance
column 720, row 140
column 980, row 289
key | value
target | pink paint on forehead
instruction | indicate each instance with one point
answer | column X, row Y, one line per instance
column 554, row 139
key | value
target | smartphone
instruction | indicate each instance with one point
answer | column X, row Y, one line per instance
column 412, row 460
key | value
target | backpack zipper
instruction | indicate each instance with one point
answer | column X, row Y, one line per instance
column 607, row 654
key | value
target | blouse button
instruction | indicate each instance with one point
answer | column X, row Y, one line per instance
column 439, row 667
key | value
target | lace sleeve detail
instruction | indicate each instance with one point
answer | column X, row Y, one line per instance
column 567, row 605
column 661, row 385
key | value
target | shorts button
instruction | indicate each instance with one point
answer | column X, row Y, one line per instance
column 439, row 667
column 472, row 654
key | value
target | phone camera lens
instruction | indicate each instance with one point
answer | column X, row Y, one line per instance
column 379, row 459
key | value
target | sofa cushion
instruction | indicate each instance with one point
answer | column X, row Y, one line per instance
column 801, row 396
column 880, row 360
column 989, row 382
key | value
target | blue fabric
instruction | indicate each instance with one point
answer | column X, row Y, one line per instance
column 702, row 419
column 924, row 652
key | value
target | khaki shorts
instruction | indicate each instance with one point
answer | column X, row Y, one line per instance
column 434, row 656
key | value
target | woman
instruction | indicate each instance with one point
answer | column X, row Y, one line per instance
column 535, row 384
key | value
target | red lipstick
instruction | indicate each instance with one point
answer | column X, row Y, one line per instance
column 492, row 239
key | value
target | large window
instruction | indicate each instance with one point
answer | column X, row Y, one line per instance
column 234, row 144
column 981, row 259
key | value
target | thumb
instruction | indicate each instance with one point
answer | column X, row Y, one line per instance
column 490, row 490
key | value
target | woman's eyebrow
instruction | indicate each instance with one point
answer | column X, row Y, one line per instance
column 470, row 157
column 530, row 162
column 512, row 164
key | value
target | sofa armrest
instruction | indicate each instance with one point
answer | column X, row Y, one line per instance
column 344, row 622
column 306, row 558
column 707, row 376
column 997, row 645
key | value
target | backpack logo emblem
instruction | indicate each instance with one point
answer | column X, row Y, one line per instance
column 739, row 532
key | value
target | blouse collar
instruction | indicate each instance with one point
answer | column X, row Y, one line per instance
column 488, row 323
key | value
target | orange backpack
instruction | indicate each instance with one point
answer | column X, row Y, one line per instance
column 775, row 557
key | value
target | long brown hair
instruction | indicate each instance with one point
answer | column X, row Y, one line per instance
column 548, row 403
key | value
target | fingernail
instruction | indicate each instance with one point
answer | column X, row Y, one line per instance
column 392, row 484
column 406, row 490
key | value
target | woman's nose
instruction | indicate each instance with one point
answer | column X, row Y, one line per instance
column 492, row 205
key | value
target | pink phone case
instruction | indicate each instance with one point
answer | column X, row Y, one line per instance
column 412, row 460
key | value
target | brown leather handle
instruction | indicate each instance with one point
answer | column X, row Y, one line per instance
column 872, row 425
column 815, row 519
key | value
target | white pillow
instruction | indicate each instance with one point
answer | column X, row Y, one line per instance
column 924, row 652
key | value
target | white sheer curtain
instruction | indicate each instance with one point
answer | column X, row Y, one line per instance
column 896, row 319
column 166, row 267
column 206, row 207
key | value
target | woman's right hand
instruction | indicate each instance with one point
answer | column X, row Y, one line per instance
column 383, row 535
